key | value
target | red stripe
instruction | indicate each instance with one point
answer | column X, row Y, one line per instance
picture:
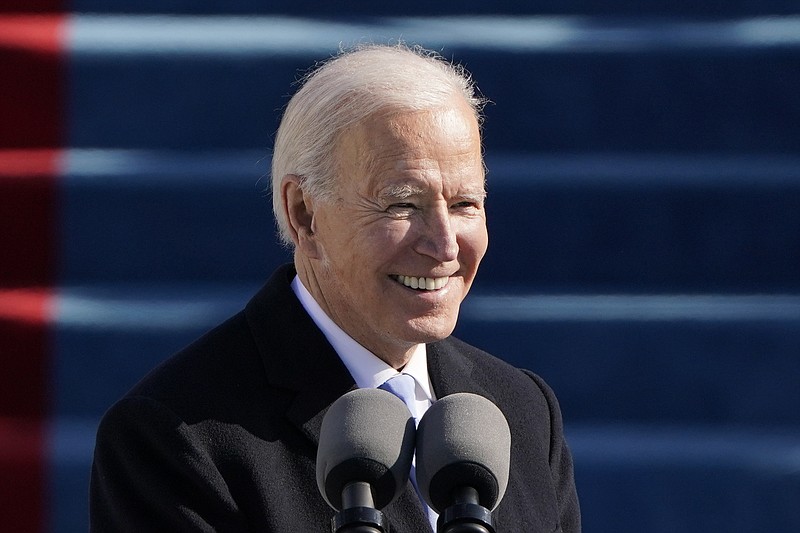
column 35, row 33
column 29, row 163
column 31, row 136
column 31, row 92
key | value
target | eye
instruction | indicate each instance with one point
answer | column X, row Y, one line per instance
column 402, row 208
column 466, row 205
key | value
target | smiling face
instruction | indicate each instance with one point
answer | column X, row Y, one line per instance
column 392, row 257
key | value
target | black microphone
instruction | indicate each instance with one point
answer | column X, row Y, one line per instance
column 366, row 446
column 463, row 461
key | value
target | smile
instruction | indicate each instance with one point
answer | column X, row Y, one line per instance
column 421, row 283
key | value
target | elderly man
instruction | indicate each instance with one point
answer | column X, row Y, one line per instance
column 378, row 185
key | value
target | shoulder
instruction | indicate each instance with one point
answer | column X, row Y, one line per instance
column 225, row 365
column 526, row 400
column 216, row 381
column 492, row 373
column 197, row 400
column 225, row 354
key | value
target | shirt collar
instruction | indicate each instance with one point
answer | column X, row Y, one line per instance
column 367, row 369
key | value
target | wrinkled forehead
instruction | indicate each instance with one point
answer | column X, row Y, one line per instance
column 404, row 155
column 399, row 138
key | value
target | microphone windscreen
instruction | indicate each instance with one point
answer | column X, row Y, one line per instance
column 367, row 435
column 463, row 440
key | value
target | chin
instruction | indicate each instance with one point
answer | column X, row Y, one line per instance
column 426, row 331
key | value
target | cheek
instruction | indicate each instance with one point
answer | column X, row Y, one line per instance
column 386, row 241
column 367, row 253
column 473, row 242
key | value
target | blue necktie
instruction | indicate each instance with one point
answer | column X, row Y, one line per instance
column 405, row 387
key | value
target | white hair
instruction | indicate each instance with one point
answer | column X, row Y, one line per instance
column 347, row 89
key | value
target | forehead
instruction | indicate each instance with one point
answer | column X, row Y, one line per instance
column 389, row 150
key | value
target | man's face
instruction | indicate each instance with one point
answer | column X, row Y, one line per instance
column 401, row 245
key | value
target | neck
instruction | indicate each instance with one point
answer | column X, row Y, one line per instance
column 393, row 353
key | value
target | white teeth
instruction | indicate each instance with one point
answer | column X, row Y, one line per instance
column 422, row 283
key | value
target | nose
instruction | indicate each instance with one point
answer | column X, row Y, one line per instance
column 438, row 237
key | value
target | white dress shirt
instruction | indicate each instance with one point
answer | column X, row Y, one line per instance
column 367, row 369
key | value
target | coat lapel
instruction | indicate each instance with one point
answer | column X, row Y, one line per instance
column 295, row 354
column 450, row 372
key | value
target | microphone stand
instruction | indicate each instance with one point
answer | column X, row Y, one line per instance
column 358, row 514
column 466, row 515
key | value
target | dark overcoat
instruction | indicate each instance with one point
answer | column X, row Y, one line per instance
column 223, row 436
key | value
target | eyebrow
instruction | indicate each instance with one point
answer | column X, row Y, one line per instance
column 405, row 191
column 478, row 197
column 401, row 192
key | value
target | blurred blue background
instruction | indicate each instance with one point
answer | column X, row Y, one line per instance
column 644, row 215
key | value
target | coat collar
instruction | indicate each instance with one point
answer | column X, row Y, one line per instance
column 295, row 354
column 297, row 357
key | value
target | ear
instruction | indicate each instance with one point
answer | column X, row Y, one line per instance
column 298, row 207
